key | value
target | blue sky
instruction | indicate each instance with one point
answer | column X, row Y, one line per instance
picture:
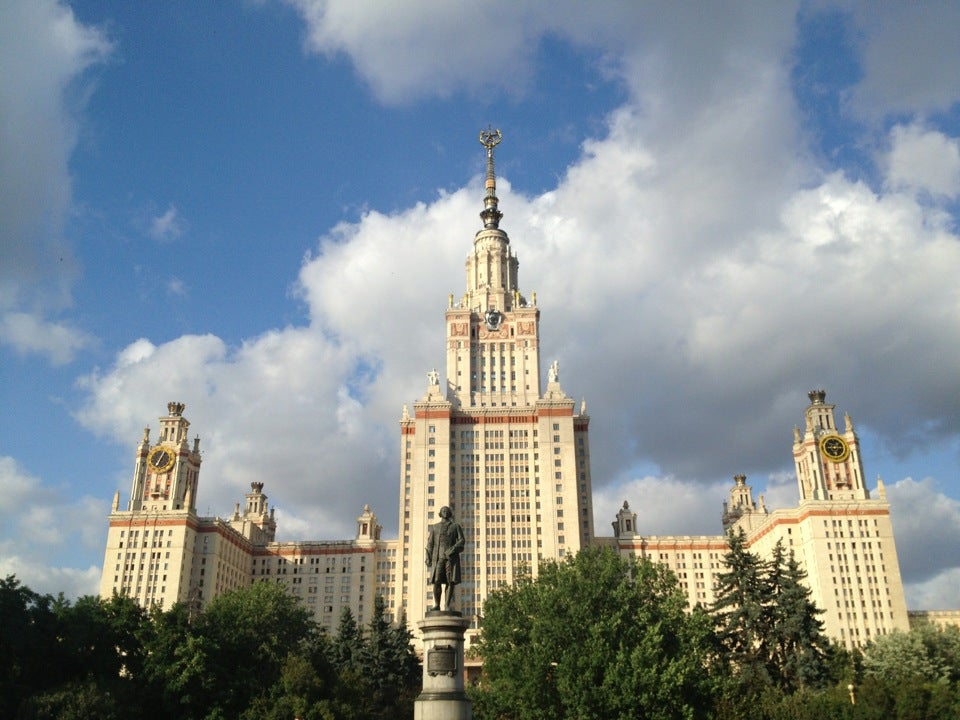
column 260, row 208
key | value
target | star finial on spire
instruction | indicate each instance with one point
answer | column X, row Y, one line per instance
column 490, row 138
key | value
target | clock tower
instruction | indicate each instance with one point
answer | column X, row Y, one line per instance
column 157, row 548
column 165, row 474
column 827, row 460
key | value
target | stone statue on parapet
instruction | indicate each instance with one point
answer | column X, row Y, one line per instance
column 445, row 542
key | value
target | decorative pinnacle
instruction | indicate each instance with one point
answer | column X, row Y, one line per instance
column 490, row 138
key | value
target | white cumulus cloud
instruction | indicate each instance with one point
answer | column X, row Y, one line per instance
column 167, row 226
column 924, row 160
column 52, row 519
column 44, row 52
column 29, row 334
column 697, row 274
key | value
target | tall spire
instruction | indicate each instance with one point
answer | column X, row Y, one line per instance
column 490, row 138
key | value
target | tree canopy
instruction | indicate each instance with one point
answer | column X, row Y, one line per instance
column 766, row 622
column 927, row 653
column 252, row 654
column 593, row 636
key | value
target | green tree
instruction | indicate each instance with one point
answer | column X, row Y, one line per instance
column 741, row 611
column 909, row 698
column 347, row 645
column 231, row 654
column 768, row 625
column 830, row 704
column 926, row 653
column 74, row 700
column 179, row 674
column 102, row 641
column 168, row 684
column 392, row 672
column 57, row 658
column 303, row 691
column 28, row 647
column 799, row 650
column 250, row 633
column 594, row 636
column 378, row 674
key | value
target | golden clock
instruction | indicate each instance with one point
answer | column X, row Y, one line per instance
column 834, row 448
column 161, row 459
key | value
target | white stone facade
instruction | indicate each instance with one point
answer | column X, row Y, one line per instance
column 161, row 553
column 511, row 458
column 842, row 537
column 508, row 456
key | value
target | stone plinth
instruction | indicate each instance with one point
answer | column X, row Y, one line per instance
column 443, row 697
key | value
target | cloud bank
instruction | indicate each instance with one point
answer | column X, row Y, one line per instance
column 44, row 52
column 699, row 268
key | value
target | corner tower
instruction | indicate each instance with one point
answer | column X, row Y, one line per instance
column 151, row 547
column 165, row 475
column 842, row 537
column 827, row 461
column 508, row 456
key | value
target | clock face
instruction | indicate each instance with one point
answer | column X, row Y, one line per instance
column 493, row 318
column 161, row 459
column 834, row 448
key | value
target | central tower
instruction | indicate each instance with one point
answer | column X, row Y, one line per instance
column 509, row 457
column 493, row 333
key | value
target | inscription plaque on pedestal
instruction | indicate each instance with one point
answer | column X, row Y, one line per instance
column 443, row 696
column 442, row 660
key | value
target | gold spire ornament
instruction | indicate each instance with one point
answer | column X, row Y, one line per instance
column 491, row 215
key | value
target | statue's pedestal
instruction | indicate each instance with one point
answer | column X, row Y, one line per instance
column 443, row 697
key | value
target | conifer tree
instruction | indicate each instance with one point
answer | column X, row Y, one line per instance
column 799, row 650
column 766, row 622
column 347, row 644
column 741, row 612
column 391, row 669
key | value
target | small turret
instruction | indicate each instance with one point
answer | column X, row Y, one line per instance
column 257, row 523
column 368, row 530
column 625, row 526
column 741, row 503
